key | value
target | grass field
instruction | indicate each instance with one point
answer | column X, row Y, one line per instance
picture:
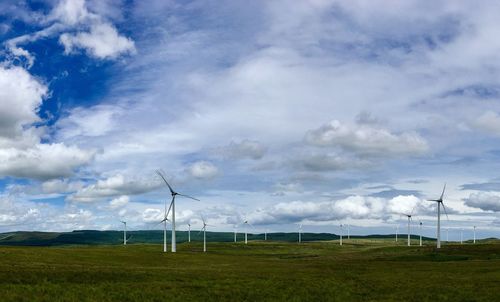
column 360, row 270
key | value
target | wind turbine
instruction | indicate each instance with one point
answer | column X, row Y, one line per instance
column 300, row 233
column 447, row 234
column 172, row 206
column 246, row 223
column 474, row 234
column 189, row 232
column 235, row 227
column 420, row 233
column 341, row 233
column 439, row 204
column 204, row 229
column 409, row 222
column 397, row 231
column 461, row 236
column 124, row 232
column 348, row 232
column 265, row 235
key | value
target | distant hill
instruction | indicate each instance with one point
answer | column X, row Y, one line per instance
column 92, row 237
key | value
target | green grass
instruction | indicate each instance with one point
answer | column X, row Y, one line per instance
column 360, row 270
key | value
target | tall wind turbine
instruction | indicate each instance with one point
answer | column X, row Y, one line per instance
column 420, row 233
column 124, row 232
column 172, row 206
column 189, row 232
column 300, row 233
column 439, row 204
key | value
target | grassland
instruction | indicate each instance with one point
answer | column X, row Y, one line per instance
column 360, row 270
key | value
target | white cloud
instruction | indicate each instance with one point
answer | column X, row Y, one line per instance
column 367, row 140
column 203, row 169
column 102, row 42
column 487, row 201
column 20, row 97
column 244, row 149
column 70, row 12
column 96, row 121
column 116, row 185
column 488, row 122
column 119, row 202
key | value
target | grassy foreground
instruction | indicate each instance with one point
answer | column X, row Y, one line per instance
column 360, row 270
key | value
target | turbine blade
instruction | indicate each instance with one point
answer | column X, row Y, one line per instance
column 168, row 185
column 170, row 207
column 444, row 210
column 442, row 194
column 188, row 196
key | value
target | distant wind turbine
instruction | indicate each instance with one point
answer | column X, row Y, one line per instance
column 461, row 236
column 189, row 232
column 420, row 233
column 341, row 233
column 300, row 233
column 246, row 223
column 447, row 235
column 204, row 230
column 439, row 204
column 474, row 234
column 172, row 206
column 397, row 231
column 265, row 235
column 235, row 232
column 409, row 216
column 124, row 232
column 348, row 232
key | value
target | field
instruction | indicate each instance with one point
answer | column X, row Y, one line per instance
column 360, row 270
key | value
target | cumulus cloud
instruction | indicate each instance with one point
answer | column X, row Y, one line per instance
column 102, row 42
column 21, row 152
column 366, row 139
column 96, row 121
column 244, row 149
column 488, row 122
column 119, row 202
column 20, row 97
column 78, row 28
column 116, row 185
column 43, row 161
column 203, row 170
column 487, row 201
column 351, row 207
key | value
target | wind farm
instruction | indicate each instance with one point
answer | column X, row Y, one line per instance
column 284, row 150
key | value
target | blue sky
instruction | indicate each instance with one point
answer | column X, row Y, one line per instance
column 279, row 112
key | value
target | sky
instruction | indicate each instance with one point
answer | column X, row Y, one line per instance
column 312, row 112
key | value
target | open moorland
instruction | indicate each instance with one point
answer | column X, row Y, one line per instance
column 360, row 270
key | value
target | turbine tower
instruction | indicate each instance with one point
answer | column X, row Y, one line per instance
column 189, row 232
column 124, row 232
column 397, row 231
column 172, row 206
column 439, row 204
column 461, row 236
column 348, row 232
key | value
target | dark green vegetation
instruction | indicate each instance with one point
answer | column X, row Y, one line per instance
column 360, row 270
column 91, row 237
